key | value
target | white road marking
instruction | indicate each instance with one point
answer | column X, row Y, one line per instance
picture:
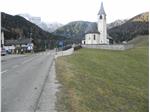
column 4, row 71
column 15, row 66
column 26, row 61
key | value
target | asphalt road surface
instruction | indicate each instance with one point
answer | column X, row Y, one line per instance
column 23, row 78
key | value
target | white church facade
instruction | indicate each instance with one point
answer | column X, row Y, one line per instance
column 97, row 34
column 92, row 38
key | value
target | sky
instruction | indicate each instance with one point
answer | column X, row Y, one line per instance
column 64, row 11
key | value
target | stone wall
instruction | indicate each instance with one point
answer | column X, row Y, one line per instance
column 110, row 47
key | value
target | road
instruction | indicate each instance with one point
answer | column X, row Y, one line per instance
column 23, row 78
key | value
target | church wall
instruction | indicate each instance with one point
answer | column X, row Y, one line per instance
column 92, row 38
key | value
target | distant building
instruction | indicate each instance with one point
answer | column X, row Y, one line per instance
column 3, row 30
column 21, row 45
column 98, row 35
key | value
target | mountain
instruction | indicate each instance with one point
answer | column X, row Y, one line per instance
column 138, row 25
column 143, row 17
column 119, row 30
column 49, row 27
column 75, row 29
column 53, row 26
column 19, row 27
column 116, row 23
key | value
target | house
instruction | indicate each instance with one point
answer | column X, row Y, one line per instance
column 21, row 45
column 16, row 45
column 97, row 34
column 3, row 30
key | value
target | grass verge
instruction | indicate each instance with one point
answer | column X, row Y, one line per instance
column 95, row 80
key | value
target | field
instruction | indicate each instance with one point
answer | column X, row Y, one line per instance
column 104, row 80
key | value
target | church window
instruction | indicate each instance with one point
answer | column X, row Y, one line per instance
column 94, row 37
column 100, row 17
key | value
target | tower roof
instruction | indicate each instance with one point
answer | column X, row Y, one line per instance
column 101, row 11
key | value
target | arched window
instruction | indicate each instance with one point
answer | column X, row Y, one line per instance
column 100, row 17
column 94, row 37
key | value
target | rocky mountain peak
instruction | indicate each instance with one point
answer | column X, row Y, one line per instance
column 49, row 27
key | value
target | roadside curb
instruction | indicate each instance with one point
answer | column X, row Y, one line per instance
column 47, row 100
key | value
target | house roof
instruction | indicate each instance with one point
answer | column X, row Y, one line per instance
column 4, row 29
column 102, row 11
column 18, row 41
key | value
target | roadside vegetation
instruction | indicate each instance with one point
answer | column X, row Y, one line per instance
column 95, row 80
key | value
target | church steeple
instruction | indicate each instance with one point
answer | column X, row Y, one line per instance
column 102, row 26
column 101, row 11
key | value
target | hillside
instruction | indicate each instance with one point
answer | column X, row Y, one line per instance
column 138, row 25
column 140, row 41
column 144, row 17
column 77, row 29
column 19, row 27
column 116, row 23
column 74, row 29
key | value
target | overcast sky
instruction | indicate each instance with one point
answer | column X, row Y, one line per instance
column 64, row 11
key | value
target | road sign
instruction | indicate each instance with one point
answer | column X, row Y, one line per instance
column 61, row 43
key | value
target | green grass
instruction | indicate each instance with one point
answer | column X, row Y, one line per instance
column 104, row 81
column 140, row 41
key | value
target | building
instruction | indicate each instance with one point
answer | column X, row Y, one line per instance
column 97, row 34
column 3, row 30
column 21, row 45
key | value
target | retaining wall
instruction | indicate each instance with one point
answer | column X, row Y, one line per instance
column 64, row 53
column 110, row 47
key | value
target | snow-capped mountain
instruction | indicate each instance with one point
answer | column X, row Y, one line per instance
column 116, row 23
column 50, row 27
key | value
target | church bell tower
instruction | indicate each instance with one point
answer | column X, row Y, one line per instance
column 102, row 26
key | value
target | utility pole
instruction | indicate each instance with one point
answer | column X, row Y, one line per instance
column 45, row 44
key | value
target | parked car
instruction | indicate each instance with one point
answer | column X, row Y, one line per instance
column 3, row 52
column 9, row 51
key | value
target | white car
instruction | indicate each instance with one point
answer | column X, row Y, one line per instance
column 3, row 52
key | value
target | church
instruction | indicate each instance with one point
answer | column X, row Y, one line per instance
column 97, row 34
